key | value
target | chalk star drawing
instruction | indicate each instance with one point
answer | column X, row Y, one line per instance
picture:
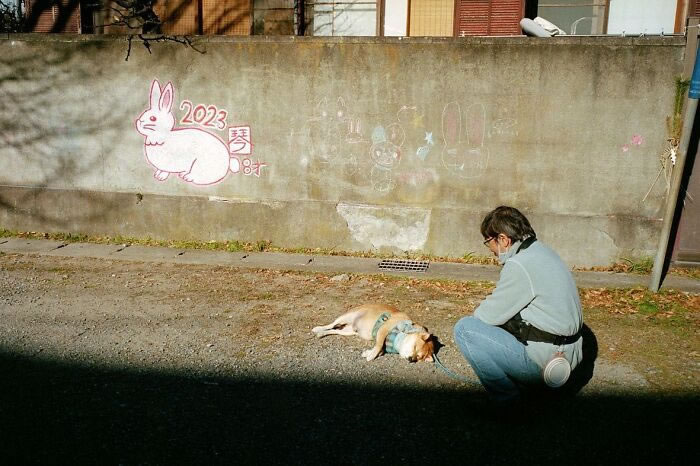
column 423, row 151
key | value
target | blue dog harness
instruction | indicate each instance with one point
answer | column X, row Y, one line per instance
column 396, row 335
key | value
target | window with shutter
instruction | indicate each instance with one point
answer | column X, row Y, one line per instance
column 61, row 17
column 208, row 17
column 488, row 17
column 179, row 17
column 431, row 18
column 229, row 17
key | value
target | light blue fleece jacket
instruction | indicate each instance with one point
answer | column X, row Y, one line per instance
column 537, row 282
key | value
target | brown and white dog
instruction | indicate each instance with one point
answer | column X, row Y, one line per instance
column 391, row 330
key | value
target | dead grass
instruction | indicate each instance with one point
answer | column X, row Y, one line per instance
column 642, row 265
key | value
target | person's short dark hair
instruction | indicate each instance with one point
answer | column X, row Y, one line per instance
column 507, row 220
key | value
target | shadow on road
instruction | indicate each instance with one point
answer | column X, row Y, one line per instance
column 59, row 413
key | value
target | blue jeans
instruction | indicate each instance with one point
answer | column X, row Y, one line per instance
column 497, row 357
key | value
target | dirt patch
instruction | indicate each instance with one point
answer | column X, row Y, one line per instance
column 170, row 339
column 221, row 320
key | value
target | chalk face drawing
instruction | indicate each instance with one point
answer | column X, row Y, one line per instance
column 385, row 152
column 333, row 135
column 328, row 128
column 193, row 154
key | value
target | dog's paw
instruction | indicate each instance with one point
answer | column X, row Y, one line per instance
column 368, row 354
column 318, row 331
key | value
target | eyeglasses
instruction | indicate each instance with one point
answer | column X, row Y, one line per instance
column 488, row 240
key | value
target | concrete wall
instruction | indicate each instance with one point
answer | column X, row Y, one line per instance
column 346, row 143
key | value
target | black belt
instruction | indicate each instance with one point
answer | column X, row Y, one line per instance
column 525, row 332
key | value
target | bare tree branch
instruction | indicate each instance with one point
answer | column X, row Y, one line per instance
column 10, row 19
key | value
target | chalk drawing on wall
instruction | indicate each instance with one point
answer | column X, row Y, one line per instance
column 382, row 179
column 504, row 127
column 423, row 151
column 350, row 165
column 636, row 141
column 331, row 129
column 240, row 145
column 392, row 152
column 354, row 135
column 385, row 153
column 239, row 140
column 409, row 115
column 251, row 167
column 208, row 116
column 465, row 158
column 194, row 154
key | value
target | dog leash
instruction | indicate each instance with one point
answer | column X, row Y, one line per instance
column 461, row 378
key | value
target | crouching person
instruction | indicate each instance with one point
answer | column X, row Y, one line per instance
column 527, row 331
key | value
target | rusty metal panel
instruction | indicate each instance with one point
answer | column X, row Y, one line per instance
column 473, row 17
column 505, row 17
column 489, row 17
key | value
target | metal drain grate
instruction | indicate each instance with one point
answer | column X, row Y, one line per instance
column 404, row 265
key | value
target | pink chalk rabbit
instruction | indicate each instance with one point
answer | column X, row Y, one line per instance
column 195, row 155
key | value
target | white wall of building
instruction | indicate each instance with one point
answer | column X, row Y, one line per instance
column 395, row 17
column 641, row 16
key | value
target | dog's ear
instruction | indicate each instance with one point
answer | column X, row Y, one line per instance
column 425, row 336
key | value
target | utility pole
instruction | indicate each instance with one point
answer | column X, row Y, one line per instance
column 677, row 176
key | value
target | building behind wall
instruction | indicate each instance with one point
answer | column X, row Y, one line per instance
column 63, row 16
column 414, row 18
column 630, row 17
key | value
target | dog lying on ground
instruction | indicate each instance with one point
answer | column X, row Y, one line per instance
column 391, row 330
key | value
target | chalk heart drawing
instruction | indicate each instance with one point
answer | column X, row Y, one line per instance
column 195, row 155
column 466, row 158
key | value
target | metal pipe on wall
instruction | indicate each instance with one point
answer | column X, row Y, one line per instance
column 672, row 201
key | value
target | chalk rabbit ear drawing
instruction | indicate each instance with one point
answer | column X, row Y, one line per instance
column 193, row 154
column 452, row 135
column 467, row 159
